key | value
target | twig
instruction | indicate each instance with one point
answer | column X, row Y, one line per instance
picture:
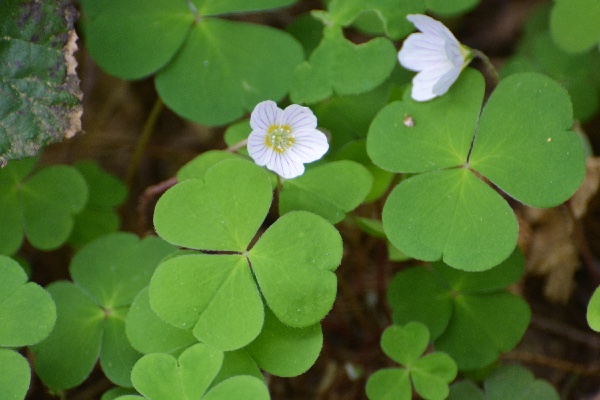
column 589, row 260
column 551, row 362
column 142, row 141
column 235, row 147
column 149, row 194
column 567, row 331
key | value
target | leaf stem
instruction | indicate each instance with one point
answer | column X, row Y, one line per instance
column 493, row 73
column 142, row 141
column 235, row 147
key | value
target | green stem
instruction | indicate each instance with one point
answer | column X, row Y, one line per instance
column 488, row 65
column 237, row 146
column 142, row 141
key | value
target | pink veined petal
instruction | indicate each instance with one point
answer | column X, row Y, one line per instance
column 424, row 82
column 431, row 26
column 264, row 115
column 446, row 80
column 285, row 166
column 298, row 118
column 310, row 146
column 419, row 51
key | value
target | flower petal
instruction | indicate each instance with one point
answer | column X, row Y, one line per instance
column 432, row 27
column 419, row 51
column 264, row 115
column 309, row 146
column 285, row 166
column 446, row 80
column 258, row 149
column 298, row 118
column 424, row 82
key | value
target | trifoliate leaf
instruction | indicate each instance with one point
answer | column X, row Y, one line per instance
column 40, row 99
column 204, row 69
column 508, row 142
column 429, row 374
column 41, row 206
column 464, row 307
column 108, row 273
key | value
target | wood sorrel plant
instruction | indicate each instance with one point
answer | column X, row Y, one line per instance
column 233, row 288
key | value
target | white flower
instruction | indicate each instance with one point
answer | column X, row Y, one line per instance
column 435, row 54
column 283, row 140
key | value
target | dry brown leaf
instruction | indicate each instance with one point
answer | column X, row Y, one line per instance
column 589, row 187
column 546, row 236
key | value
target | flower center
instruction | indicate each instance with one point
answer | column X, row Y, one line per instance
column 279, row 138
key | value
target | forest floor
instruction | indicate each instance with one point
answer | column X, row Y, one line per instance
column 558, row 346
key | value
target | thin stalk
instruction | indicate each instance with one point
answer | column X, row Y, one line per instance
column 235, row 147
column 488, row 65
column 142, row 141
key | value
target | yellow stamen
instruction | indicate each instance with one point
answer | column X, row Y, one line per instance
column 279, row 138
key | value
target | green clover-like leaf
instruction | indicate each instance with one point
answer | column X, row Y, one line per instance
column 27, row 312
column 516, row 382
column 443, row 7
column 429, row 374
column 505, row 381
column 538, row 52
column 221, row 212
column 147, row 333
column 292, row 262
column 40, row 206
column 226, row 314
column 593, row 311
column 40, row 99
column 405, row 344
column 160, row 376
column 342, row 66
column 389, row 383
column 470, row 316
column 99, row 217
column 107, row 273
column 14, row 374
column 68, row 355
column 330, row 190
column 209, row 70
column 448, row 211
column 285, row 351
column 574, row 24
column 510, row 141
